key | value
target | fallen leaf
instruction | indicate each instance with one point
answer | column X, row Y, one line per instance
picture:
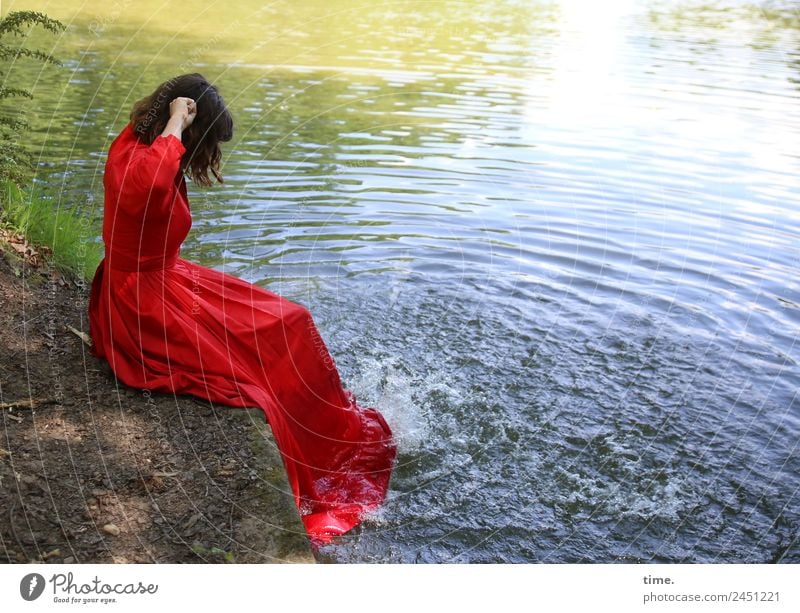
column 191, row 521
column 111, row 529
column 162, row 474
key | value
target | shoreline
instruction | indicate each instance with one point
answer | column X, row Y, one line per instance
column 94, row 471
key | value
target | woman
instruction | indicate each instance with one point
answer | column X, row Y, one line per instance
column 170, row 325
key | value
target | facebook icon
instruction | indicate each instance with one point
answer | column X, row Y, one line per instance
column 31, row 586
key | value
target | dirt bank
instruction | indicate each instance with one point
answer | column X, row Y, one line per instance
column 94, row 471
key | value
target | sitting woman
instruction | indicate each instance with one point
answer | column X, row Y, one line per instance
column 170, row 325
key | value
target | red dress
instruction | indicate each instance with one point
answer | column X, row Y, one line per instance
column 167, row 324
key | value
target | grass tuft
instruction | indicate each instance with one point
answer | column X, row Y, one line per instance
column 67, row 232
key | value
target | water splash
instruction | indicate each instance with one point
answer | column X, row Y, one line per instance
column 383, row 385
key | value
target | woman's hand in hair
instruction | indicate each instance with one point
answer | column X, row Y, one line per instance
column 186, row 108
column 182, row 112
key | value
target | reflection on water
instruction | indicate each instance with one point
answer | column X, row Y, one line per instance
column 557, row 245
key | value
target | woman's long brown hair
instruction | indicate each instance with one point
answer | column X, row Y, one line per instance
column 212, row 125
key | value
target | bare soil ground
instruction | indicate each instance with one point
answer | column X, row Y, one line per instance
column 94, row 471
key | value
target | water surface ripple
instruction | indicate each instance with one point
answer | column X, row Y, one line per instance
column 556, row 244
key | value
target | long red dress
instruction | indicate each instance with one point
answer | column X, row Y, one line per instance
column 170, row 325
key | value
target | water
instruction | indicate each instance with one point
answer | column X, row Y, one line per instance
column 557, row 244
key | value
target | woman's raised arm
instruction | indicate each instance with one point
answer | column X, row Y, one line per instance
column 151, row 171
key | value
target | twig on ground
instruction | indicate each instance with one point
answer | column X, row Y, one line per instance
column 81, row 335
column 31, row 403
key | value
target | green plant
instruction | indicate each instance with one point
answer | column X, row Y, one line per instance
column 201, row 550
column 66, row 231
column 15, row 161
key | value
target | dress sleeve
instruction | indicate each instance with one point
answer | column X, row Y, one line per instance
column 151, row 170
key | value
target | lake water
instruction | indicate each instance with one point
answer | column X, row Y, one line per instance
column 556, row 243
